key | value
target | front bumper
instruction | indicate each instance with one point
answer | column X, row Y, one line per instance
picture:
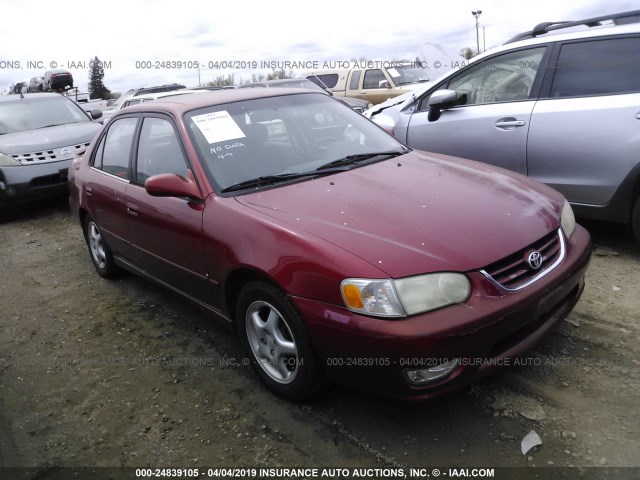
column 26, row 183
column 485, row 332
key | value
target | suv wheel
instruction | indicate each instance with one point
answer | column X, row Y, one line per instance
column 275, row 339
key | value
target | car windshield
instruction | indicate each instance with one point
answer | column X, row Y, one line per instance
column 405, row 74
column 286, row 137
column 121, row 99
column 32, row 113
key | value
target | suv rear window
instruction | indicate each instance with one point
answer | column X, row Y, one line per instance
column 329, row 79
column 600, row 67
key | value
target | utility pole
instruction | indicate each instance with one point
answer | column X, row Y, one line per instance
column 477, row 13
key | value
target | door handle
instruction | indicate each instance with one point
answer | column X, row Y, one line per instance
column 89, row 190
column 509, row 123
column 132, row 209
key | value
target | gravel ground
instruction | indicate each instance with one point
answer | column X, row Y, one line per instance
column 122, row 373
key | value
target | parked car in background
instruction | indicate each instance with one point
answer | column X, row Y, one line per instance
column 333, row 249
column 36, row 84
column 222, row 87
column 55, row 80
column 559, row 105
column 40, row 133
column 376, row 84
column 357, row 104
column 18, row 87
column 169, row 87
column 147, row 97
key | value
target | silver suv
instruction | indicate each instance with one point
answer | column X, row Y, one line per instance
column 40, row 133
column 560, row 104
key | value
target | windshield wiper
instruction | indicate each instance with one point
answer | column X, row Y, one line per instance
column 267, row 180
column 52, row 125
column 357, row 158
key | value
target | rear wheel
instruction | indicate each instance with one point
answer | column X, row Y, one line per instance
column 98, row 249
column 275, row 339
column 635, row 219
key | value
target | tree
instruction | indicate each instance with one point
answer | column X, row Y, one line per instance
column 222, row 81
column 467, row 53
column 97, row 89
column 280, row 74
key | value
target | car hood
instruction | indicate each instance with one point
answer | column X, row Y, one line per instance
column 354, row 102
column 48, row 138
column 419, row 212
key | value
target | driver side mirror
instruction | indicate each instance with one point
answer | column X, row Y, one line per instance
column 443, row 99
column 172, row 185
column 384, row 84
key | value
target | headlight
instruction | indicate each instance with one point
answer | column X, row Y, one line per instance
column 406, row 296
column 372, row 297
column 428, row 292
column 6, row 161
column 567, row 220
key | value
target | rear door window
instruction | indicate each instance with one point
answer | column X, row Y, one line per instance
column 599, row 67
column 355, row 80
column 116, row 148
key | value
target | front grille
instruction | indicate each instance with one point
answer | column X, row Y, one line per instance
column 49, row 155
column 514, row 272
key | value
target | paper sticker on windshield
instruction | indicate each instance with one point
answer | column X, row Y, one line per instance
column 393, row 72
column 218, row 127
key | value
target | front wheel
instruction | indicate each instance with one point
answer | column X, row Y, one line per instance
column 100, row 254
column 274, row 337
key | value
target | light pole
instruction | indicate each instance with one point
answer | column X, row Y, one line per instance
column 484, row 39
column 477, row 13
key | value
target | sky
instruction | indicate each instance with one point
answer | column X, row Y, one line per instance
column 133, row 38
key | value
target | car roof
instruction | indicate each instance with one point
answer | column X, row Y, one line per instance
column 550, row 27
column 179, row 104
column 170, row 93
column 30, row 96
column 556, row 36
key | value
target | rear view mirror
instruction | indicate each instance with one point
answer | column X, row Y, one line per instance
column 95, row 113
column 384, row 84
column 443, row 99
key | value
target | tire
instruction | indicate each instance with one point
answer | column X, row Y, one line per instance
column 276, row 342
column 635, row 219
column 99, row 251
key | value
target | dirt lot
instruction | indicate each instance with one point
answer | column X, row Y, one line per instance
column 122, row 373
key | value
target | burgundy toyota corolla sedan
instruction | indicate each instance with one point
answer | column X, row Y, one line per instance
column 334, row 250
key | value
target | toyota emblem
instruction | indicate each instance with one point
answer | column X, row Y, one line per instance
column 535, row 260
